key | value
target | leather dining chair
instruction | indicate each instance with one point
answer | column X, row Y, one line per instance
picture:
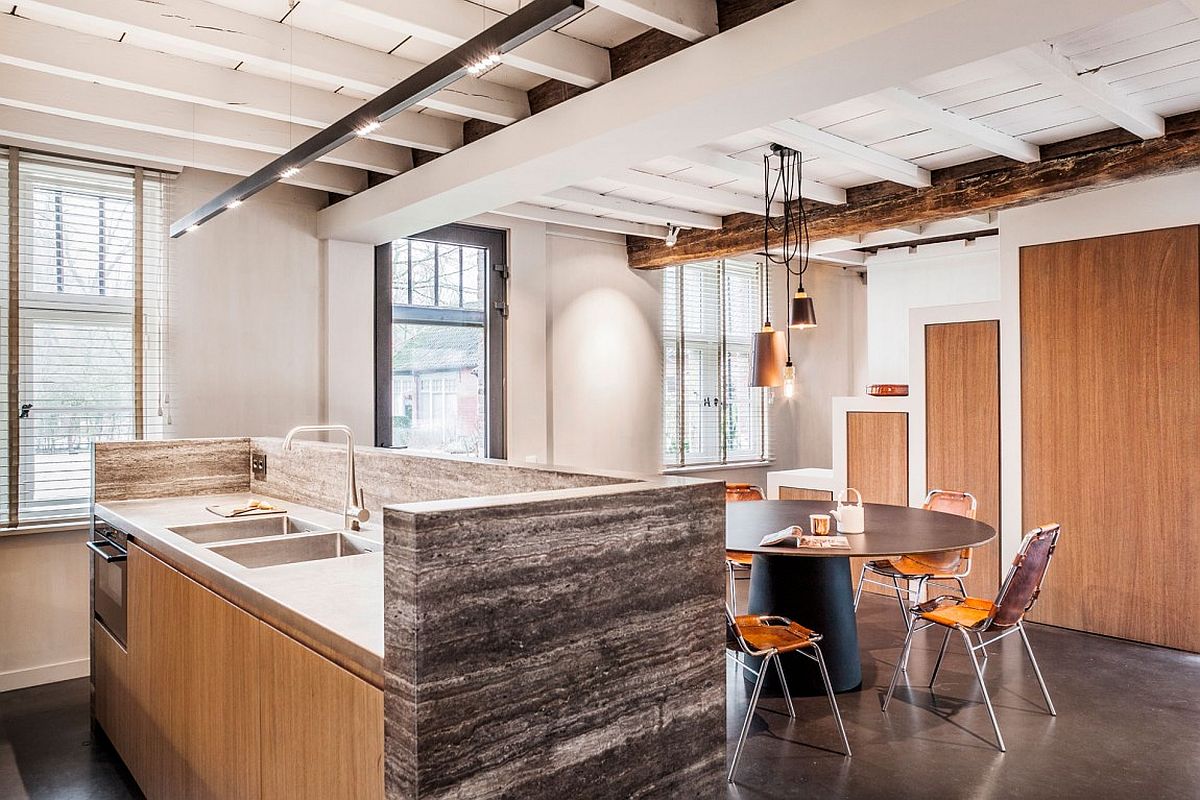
column 1002, row 617
column 917, row 570
column 769, row 637
column 739, row 563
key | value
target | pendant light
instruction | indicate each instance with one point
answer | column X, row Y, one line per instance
column 792, row 230
column 769, row 350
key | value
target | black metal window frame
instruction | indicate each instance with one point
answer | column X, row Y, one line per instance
column 493, row 318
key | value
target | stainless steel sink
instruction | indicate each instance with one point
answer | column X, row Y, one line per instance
column 244, row 528
column 296, row 549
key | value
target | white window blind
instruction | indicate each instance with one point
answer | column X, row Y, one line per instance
column 83, row 310
column 711, row 415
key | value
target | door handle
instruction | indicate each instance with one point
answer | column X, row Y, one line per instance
column 98, row 549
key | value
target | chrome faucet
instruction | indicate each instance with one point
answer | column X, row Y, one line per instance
column 354, row 512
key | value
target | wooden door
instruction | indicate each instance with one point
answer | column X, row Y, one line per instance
column 322, row 728
column 194, row 657
column 962, row 429
column 877, row 464
column 1110, row 404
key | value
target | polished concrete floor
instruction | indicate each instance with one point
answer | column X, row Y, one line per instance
column 1128, row 727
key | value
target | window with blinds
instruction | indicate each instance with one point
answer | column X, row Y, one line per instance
column 82, row 308
column 711, row 415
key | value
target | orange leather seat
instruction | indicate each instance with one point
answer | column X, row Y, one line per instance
column 944, row 565
column 742, row 559
column 780, row 638
column 966, row 612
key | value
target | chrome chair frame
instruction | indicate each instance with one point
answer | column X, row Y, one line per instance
column 772, row 655
column 1017, row 627
column 735, row 568
column 914, row 594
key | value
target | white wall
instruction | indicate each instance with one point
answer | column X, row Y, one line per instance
column 246, row 340
column 898, row 283
column 43, row 608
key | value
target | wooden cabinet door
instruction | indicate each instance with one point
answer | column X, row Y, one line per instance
column 962, row 424
column 194, row 658
column 1110, row 370
column 795, row 493
column 116, row 709
column 877, row 464
column 322, row 728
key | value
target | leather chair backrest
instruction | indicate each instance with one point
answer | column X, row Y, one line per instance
column 962, row 504
column 737, row 492
column 1024, row 581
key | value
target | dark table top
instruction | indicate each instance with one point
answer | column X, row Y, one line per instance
column 890, row 530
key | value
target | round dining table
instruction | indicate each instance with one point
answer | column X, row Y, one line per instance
column 814, row 587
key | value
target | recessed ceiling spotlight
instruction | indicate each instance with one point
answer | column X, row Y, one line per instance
column 289, row 172
column 672, row 235
column 193, row 228
column 233, row 204
column 367, row 128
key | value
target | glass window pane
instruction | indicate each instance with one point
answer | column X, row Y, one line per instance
column 438, row 388
column 423, row 268
column 474, row 271
column 400, row 272
column 449, row 275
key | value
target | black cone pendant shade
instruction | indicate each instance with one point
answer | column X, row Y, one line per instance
column 802, row 314
column 770, row 350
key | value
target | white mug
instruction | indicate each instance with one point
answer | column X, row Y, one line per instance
column 850, row 518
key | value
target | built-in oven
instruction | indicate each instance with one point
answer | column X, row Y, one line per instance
column 109, row 553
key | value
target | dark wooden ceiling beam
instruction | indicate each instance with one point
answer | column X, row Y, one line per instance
column 1066, row 168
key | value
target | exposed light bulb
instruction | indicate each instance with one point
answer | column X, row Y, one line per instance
column 367, row 128
column 233, row 204
column 789, row 379
column 289, row 172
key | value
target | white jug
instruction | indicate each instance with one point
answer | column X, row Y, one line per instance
column 850, row 518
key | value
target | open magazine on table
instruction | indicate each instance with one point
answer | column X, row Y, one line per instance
column 794, row 535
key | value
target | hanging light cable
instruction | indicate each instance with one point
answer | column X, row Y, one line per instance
column 791, row 228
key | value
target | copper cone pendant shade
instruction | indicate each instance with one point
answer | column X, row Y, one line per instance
column 770, row 350
column 803, row 314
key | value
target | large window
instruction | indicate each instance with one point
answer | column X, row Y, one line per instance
column 711, row 415
column 440, row 342
column 82, row 265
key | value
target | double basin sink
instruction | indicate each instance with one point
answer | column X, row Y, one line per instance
column 271, row 540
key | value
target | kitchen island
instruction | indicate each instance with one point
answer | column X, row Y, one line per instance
column 492, row 631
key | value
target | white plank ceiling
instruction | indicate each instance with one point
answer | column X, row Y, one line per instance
column 250, row 78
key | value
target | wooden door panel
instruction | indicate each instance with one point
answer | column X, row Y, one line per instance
column 794, row 493
column 194, row 658
column 1110, row 367
column 877, row 463
column 322, row 734
column 962, row 428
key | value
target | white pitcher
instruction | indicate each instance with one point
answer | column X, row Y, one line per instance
column 850, row 518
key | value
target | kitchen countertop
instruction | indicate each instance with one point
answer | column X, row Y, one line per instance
column 333, row 605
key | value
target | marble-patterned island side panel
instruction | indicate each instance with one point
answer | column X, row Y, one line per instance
column 135, row 470
column 314, row 473
column 557, row 647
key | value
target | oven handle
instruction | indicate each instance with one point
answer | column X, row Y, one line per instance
column 96, row 547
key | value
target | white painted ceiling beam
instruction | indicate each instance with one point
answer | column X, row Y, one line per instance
column 560, row 217
column 965, row 129
column 967, row 224
column 823, row 246
column 1089, row 90
column 52, row 94
column 692, row 20
column 106, row 141
column 692, row 191
column 796, row 59
column 812, row 190
column 814, row 141
column 205, row 28
column 848, row 258
column 58, row 51
column 650, row 212
column 451, row 22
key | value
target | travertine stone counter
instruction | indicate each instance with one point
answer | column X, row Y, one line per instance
column 557, row 645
